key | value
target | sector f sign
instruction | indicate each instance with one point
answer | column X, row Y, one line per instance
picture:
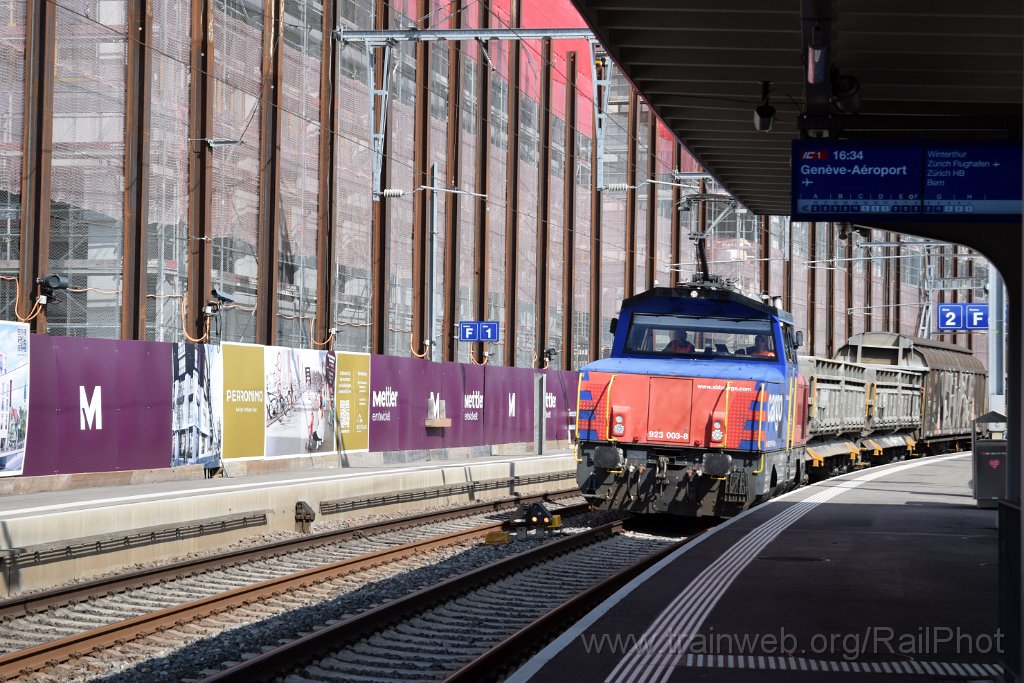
column 962, row 316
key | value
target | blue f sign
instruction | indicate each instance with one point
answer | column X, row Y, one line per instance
column 977, row 316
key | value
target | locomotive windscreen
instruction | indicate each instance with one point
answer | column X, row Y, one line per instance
column 674, row 335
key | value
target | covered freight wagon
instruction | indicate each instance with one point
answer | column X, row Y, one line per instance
column 954, row 383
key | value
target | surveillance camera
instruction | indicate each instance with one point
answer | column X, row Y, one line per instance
column 764, row 116
column 846, row 93
column 222, row 297
column 849, row 231
column 54, row 282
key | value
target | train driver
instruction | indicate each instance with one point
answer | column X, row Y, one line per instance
column 761, row 347
column 678, row 344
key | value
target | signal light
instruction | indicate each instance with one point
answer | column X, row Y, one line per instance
column 529, row 515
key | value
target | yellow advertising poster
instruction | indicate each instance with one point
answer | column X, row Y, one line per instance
column 352, row 401
column 244, row 407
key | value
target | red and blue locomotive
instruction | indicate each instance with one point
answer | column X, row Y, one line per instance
column 704, row 409
column 701, row 408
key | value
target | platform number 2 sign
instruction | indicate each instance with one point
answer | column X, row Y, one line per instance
column 951, row 316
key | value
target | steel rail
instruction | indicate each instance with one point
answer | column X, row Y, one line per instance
column 38, row 602
column 32, row 659
column 510, row 652
column 291, row 655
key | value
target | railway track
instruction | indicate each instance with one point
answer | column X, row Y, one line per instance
column 471, row 627
column 40, row 634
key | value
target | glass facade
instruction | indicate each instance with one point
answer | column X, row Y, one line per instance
column 859, row 311
column 613, row 209
column 467, row 298
column 87, row 189
column 401, row 177
column 837, row 288
column 437, row 157
column 167, row 239
column 529, row 207
column 556, row 231
column 238, row 35
column 878, row 265
column 801, row 250
column 12, row 103
column 822, row 283
column 663, row 193
column 778, row 254
column 300, row 175
column 497, row 199
column 582, row 234
column 643, row 195
column 840, row 268
column 353, row 202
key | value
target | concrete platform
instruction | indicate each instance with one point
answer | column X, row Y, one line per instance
column 889, row 572
column 48, row 537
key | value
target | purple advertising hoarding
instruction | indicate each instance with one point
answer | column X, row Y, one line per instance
column 98, row 405
column 560, row 404
column 402, row 391
column 470, row 409
column 509, row 399
column 485, row 404
column 103, row 405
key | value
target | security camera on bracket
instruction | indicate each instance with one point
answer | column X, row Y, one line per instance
column 217, row 300
column 222, row 297
column 764, row 113
column 49, row 285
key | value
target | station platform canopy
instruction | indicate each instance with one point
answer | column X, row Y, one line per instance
column 925, row 69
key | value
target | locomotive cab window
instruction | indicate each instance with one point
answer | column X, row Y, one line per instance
column 787, row 333
column 700, row 337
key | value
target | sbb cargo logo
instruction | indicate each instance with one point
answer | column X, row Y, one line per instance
column 814, row 155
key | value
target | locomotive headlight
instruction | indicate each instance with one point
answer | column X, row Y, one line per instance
column 618, row 419
column 716, row 424
column 619, row 429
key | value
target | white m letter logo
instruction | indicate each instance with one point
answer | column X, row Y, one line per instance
column 511, row 405
column 90, row 410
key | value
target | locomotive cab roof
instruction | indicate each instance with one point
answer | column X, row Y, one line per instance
column 684, row 295
column 715, row 329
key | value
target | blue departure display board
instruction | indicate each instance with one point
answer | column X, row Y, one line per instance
column 947, row 181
